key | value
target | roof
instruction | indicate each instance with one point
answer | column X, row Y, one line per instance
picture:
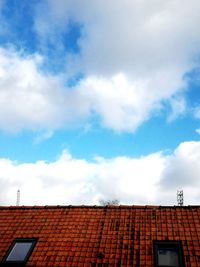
column 100, row 236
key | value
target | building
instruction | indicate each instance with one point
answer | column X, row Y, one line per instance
column 94, row 236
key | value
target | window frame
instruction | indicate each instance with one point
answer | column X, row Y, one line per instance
column 171, row 244
column 6, row 262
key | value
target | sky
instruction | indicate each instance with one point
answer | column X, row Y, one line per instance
column 99, row 100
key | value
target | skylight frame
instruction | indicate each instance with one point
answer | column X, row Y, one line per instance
column 168, row 245
column 6, row 262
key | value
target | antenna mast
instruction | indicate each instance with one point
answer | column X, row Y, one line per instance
column 180, row 197
column 18, row 197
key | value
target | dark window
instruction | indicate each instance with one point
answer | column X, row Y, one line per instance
column 168, row 254
column 19, row 251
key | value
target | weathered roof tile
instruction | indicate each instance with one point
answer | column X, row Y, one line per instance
column 100, row 236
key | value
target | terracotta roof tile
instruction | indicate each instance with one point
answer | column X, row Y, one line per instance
column 100, row 236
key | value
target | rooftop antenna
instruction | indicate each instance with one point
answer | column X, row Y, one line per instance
column 18, row 197
column 180, row 197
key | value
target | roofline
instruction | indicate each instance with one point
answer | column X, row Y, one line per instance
column 101, row 207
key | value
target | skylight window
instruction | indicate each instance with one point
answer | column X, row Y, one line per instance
column 168, row 254
column 20, row 251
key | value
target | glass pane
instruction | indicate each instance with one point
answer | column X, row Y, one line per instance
column 19, row 251
column 167, row 257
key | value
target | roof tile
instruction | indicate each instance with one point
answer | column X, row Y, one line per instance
column 100, row 236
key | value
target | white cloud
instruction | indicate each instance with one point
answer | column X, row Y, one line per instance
column 43, row 135
column 152, row 179
column 198, row 131
column 182, row 171
column 132, row 36
column 121, row 103
column 133, row 55
column 31, row 99
column 178, row 108
column 150, row 46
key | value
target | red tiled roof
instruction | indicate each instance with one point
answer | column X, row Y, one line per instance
column 110, row 236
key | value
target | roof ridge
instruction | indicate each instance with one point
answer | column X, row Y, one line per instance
column 101, row 207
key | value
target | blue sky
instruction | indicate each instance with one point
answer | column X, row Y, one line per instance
column 106, row 101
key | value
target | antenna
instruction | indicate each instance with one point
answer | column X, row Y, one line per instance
column 180, row 197
column 18, row 197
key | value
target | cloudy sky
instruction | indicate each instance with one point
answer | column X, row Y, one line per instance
column 99, row 100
